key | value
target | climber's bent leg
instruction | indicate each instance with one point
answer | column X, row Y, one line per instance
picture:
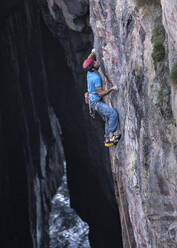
column 113, row 121
column 110, row 117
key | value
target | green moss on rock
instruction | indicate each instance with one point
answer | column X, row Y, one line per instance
column 173, row 74
column 164, row 104
column 141, row 3
column 158, row 52
column 158, row 34
column 158, row 37
column 169, row 112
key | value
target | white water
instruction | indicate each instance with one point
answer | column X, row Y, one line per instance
column 66, row 229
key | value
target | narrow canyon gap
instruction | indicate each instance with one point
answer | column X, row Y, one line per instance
column 89, row 172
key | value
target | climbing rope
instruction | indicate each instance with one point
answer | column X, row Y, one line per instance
column 123, row 210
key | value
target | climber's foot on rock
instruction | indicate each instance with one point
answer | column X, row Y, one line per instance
column 112, row 141
column 115, row 139
column 108, row 143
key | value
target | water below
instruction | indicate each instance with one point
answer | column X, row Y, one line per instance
column 66, row 229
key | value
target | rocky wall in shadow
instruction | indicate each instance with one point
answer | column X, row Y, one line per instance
column 30, row 147
column 89, row 172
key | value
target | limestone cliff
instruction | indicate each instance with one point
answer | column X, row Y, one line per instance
column 136, row 44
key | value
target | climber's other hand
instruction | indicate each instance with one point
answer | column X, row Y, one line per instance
column 93, row 50
column 114, row 88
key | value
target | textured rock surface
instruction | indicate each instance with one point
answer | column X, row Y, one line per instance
column 145, row 161
column 169, row 14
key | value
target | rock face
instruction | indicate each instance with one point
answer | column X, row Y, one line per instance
column 145, row 161
column 169, row 13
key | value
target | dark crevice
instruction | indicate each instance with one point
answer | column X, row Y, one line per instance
column 86, row 179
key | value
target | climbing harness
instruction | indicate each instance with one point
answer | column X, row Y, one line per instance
column 91, row 112
column 86, row 95
column 87, row 101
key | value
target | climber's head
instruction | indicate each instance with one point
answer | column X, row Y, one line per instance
column 96, row 65
column 90, row 65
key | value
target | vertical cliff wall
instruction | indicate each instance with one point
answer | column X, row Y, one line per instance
column 136, row 44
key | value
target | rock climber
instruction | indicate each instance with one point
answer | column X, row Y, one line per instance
column 96, row 93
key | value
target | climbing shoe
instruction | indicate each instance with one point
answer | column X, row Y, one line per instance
column 113, row 141
column 108, row 143
column 115, row 138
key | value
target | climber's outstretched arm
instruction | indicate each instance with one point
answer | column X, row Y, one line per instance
column 103, row 93
column 92, row 54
